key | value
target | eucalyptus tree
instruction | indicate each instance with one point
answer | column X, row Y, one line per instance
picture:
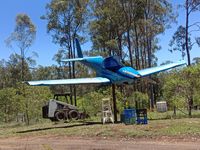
column 22, row 38
column 107, row 27
column 157, row 17
column 65, row 20
column 136, row 24
column 190, row 7
column 181, row 39
column 58, row 58
column 177, row 43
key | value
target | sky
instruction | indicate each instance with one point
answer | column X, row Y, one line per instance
column 46, row 49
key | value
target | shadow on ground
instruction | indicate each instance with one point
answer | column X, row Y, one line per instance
column 57, row 127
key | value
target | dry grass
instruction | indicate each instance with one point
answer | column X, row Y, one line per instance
column 154, row 129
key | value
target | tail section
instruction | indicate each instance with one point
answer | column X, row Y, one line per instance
column 78, row 47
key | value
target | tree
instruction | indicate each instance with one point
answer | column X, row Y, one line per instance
column 183, row 33
column 190, row 6
column 178, row 41
column 132, row 25
column 9, row 105
column 196, row 60
column 23, row 37
column 183, row 87
column 66, row 19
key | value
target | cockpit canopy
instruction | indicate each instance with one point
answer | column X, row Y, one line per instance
column 112, row 63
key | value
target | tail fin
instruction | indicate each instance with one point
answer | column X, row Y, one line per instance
column 79, row 51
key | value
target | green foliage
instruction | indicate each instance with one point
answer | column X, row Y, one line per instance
column 92, row 102
column 178, row 41
column 182, row 86
column 37, row 97
column 33, row 100
column 138, row 100
column 23, row 35
column 196, row 60
column 9, row 104
column 65, row 18
column 13, row 103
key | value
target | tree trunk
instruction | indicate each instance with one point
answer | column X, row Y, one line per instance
column 129, row 47
column 74, row 76
column 149, row 65
column 120, row 46
column 23, row 88
column 70, row 75
column 174, row 110
column 137, row 59
column 186, row 34
column 190, row 101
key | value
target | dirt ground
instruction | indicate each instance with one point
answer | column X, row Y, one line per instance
column 77, row 143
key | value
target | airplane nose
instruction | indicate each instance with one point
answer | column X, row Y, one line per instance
column 129, row 72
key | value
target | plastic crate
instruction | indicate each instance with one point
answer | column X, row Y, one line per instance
column 142, row 121
column 141, row 116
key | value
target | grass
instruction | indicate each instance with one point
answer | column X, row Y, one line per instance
column 156, row 128
column 159, row 125
column 170, row 115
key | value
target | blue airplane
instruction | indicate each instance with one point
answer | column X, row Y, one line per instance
column 108, row 71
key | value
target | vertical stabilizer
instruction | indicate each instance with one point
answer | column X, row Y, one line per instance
column 78, row 47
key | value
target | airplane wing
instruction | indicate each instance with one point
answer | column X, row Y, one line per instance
column 153, row 70
column 68, row 81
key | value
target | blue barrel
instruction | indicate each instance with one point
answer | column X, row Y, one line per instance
column 129, row 116
column 129, row 113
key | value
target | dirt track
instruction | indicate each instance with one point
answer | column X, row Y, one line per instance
column 75, row 143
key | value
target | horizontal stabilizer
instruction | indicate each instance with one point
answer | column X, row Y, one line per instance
column 80, row 59
column 75, row 59
column 69, row 81
column 153, row 70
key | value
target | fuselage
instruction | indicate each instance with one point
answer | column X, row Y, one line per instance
column 111, row 69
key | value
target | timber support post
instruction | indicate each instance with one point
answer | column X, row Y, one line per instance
column 114, row 103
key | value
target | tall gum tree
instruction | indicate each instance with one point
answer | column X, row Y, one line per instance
column 135, row 24
column 181, row 39
column 65, row 21
column 22, row 38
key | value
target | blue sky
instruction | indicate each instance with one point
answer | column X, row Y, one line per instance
column 43, row 44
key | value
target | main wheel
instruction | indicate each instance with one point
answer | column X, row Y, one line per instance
column 73, row 114
column 60, row 115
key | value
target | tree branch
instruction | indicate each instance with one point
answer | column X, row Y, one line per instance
column 194, row 31
column 193, row 8
column 196, row 23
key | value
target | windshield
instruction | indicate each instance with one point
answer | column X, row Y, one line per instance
column 112, row 63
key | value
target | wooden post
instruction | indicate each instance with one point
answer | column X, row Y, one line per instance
column 114, row 103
